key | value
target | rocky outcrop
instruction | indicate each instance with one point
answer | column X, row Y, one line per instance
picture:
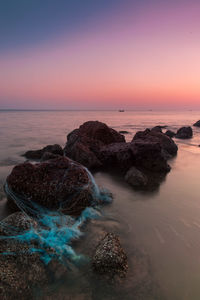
column 136, row 178
column 109, row 258
column 170, row 133
column 56, row 184
column 148, row 151
column 197, row 124
column 83, row 144
column 37, row 154
column 184, row 133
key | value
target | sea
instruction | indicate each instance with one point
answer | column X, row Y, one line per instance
column 160, row 230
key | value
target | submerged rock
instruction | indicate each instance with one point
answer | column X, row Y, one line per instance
column 136, row 178
column 197, row 124
column 184, row 133
column 109, row 258
column 56, row 184
column 84, row 143
column 37, row 154
column 170, row 133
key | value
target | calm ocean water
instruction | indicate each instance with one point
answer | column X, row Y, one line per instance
column 165, row 225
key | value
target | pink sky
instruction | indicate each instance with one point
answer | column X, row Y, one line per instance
column 148, row 59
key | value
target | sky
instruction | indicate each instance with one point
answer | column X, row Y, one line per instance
column 108, row 54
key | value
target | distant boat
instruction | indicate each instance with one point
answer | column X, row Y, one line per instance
column 121, row 110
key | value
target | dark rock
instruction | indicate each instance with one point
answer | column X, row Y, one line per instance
column 154, row 136
column 124, row 132
column 117, row 155
column 184, row 133
column 84, row 143
column 197, row 124
column 109, row 258
column 48, row 156
column 16, row 223
column 157, row 128
column 37, row 154
column 149, row 156
column 20, row 270
column 56, row 184
column 136, row 178
column 170, row 133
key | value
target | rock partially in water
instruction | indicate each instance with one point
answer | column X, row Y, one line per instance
column 48, row 156
column 124, row 132
column 197, row 124
column 136, row 178
column 16, row 223
column 37, row 154
column 20, row 270
column 184, row 133
column 110, row 258
column 153, row 136
column 170, row 133
column 83, row 144
column 55, row 184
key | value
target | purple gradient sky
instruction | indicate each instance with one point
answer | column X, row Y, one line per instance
column 132, row 54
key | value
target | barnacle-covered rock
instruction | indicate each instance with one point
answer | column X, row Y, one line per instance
column 110, row 258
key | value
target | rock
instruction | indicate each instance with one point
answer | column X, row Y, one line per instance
column 20, row 270
column 170, row 133
column 17, row 222
column 184, row 133
column 48, row 156
column 149, row 156
column 37, row 154
column 124, row 132
column 136, row 178
column 117, row 155
column 197, row 124
column 157, row 128
column 84, row 143
column 109, row 258
column 55, row 184
column 153, row 136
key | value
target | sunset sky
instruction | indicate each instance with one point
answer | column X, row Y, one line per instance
column 107, row 54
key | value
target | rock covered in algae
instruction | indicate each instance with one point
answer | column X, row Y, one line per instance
column 109, row 258
column 55, row 184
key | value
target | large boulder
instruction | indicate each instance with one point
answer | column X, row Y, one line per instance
column 83, row 144
column 110, row 258
column 184, row 133
column 37, row 154
column 197, row 124
column 155, row 136
column 55, row 184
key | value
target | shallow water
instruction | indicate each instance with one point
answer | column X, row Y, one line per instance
column 165, row 225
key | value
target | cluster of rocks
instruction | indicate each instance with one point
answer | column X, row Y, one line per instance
column 96, row 145
column 60, row 181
